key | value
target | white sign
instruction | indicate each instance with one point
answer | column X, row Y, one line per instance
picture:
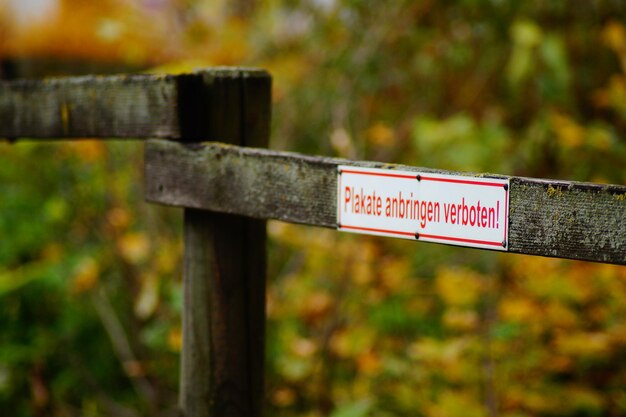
column 451, row 209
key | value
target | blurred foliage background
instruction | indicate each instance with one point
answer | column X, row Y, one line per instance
column 90, row 275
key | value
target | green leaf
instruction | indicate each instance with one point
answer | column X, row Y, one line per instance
column 359, row 408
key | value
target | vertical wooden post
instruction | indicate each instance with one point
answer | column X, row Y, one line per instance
column 222, row 371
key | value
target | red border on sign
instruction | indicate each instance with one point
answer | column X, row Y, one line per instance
column 463, row 240
column 369, row 229
column 506, row 211
column 455, row 181
column 427, row 178
column 379, row 174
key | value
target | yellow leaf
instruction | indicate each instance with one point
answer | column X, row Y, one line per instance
column 349, row 343
column 569, row 133
column 581, row 344
column 462, row 320
column 617, row 92
column 273, row 305
column 560, row 364
column 134, row 247
column 86, row 276
column 368, row 363
column 89, row 150
column 394, row 272
column 284, row 397
column 600, row 138
column 381, row 134
column 526, row 33
column 581, row 398
column 118, row 218
column 432, row 351
column 557, row 314
column 362, row 272
column 614, row 36
column 452, row 403
column 539, row 402
column 617, row 332
column 168, row 257
column 512, row 396
column 316, row 306
column 458, row 286
column 175, row 339
column 52, row 252
column 522, row 310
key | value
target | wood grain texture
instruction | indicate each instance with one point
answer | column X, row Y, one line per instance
column 112, row 106
column 215, row 362
column 256, row 95
column 188, row 106
column 196, row 358
column 549, row 218
column 224, row 277
column 568, row 220
column 256, row 183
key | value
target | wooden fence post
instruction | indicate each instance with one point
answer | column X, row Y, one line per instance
column 222, row 371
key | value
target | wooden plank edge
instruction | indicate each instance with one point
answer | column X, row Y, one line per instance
column 89, row 106
column 553, row 218
column 137, row 106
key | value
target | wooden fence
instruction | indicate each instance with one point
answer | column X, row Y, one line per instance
column 205, row 153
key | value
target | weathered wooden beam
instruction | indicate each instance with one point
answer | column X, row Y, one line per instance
column 181, row 106
column 549, row 218
column 222, row 372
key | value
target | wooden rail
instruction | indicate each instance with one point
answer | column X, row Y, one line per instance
column 185, row 107
column 550, row 218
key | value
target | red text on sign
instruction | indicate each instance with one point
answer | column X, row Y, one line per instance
column 472, row 215
column 407, row 207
